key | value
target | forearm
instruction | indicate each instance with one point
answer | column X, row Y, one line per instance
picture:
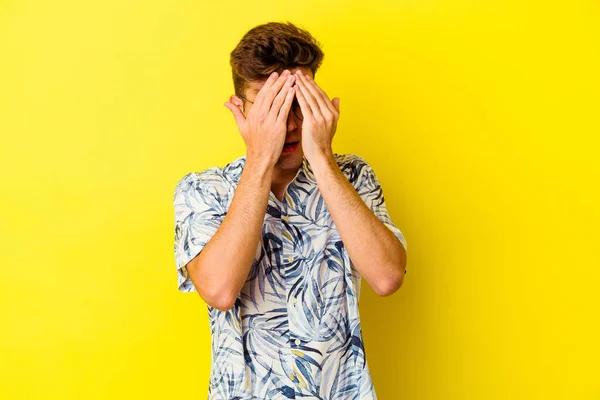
column 222, row 267
column 375, row 251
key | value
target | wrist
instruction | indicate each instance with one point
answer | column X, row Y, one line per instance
column 258, row 165
column 323, row 156
column 322, row 159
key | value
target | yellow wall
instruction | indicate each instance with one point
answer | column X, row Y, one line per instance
column 480, row 118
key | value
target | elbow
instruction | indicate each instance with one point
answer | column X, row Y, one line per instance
column 222, row 304
column 389, row 286
column 220, row 300
column 213, row 294
column 391, row 283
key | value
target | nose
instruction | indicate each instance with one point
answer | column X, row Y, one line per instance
column 292, row 124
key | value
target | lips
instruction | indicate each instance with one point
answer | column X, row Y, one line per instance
column 290, row 147
column 294, row 142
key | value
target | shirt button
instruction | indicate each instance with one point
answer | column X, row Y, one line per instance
column 297, row 341
column 293, row 300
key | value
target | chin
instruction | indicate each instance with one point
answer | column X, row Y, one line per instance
column 289, row 161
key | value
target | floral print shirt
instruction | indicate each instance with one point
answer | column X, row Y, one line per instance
column 295, row 329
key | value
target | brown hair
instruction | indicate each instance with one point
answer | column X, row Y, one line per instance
column 270, row 47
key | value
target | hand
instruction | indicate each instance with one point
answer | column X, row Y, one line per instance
column 265, row 128
column 320, row 116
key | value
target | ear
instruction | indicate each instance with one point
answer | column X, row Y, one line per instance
column 336, row 103
column 236, row 101
column 235, row 106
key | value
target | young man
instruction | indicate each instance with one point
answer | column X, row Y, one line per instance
column 276, row 241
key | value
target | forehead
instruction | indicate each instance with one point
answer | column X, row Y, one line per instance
column 255, row 86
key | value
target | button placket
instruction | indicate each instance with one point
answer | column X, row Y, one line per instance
column 285, row 218
column 289, row 257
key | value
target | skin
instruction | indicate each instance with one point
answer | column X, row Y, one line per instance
column 375, row 251
column 287, row 164
column 218, row 273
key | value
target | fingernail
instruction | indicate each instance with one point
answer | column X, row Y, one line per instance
column 274, row 74
column 286, row 72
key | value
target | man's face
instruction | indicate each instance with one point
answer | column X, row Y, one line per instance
column 294, row 125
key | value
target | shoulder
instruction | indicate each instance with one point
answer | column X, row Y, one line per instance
column 199, row 181
column 217, row 182
column 353, row 166
column 202, row 189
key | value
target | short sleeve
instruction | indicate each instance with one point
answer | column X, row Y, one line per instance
column 198, row 202
column 370, row 191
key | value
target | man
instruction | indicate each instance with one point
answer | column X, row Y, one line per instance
column 276, row 241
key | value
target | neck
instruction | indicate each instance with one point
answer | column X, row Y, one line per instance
column 283, row 176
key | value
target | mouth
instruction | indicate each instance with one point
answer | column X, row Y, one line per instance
column 290, row 147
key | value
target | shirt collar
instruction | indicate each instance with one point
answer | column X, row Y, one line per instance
column 304, row 173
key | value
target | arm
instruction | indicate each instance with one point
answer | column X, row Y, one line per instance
column 220, row 270
column 374, row 249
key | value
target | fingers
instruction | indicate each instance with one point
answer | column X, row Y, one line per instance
column 304, row 106
column 237, row 114
column 259, row 96
column 269, row 90
column 311, row 83
column 320, row 97
column 281, row 97
column 309, row 100
column 285, row 108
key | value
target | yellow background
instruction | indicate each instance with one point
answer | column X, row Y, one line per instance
column 480, row 119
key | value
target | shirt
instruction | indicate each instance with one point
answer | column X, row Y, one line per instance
column 295, row 329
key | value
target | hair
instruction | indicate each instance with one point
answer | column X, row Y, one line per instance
column 271, row 47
